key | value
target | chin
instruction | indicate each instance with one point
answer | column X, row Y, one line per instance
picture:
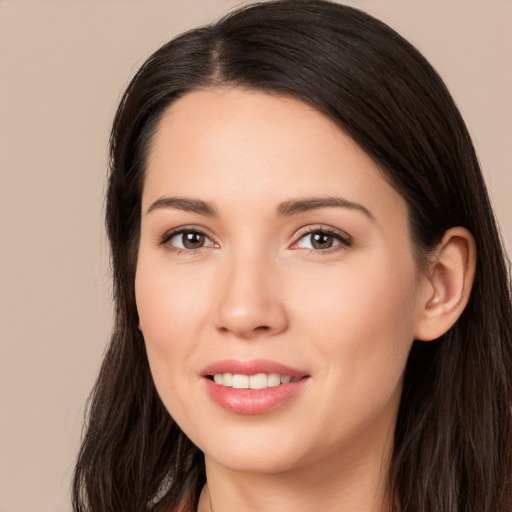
column 255, row 461
column 253, row 450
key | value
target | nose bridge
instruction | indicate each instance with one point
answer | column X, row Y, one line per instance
column 250, row 294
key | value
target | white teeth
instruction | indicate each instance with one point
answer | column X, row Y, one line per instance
column 240, row 381
column 258, row 381
column 274, row 379
column 227, row 379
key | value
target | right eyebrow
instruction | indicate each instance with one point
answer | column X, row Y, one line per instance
column 187, row 205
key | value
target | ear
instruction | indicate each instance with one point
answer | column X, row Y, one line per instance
column 447, row 284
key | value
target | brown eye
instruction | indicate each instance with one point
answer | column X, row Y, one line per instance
column 323, row 239
column 189, row 239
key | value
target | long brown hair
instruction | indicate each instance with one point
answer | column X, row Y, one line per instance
column 453, row 442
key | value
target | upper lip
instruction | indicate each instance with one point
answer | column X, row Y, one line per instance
column 251, row 367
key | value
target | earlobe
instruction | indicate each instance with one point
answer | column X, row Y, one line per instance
column 447, row 284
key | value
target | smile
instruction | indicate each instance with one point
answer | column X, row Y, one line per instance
column 253, row 387
column 258, row 381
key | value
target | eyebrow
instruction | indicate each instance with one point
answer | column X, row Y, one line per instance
column 187, row 205
column 284, row 209
column 295, row 206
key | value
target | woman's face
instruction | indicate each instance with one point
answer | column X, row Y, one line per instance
column 272, row 249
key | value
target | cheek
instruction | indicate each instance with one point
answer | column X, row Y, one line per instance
column 362, row 321
column 171, row 305
column 168, row 300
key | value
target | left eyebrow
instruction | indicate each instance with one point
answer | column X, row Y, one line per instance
column 295, row 206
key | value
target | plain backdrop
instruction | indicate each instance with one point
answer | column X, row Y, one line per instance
column 63, row 66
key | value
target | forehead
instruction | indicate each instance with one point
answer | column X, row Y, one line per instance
column 227, row 144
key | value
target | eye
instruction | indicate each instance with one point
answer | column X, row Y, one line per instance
column 323, row 240
column 187, row 240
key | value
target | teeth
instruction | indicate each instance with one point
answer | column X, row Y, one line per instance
column 240, row 381
column 258, row 381
column 273, row 379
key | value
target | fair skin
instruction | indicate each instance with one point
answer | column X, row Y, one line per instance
column 332, row 290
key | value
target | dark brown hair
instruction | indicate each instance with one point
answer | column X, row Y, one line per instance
column 453, row 442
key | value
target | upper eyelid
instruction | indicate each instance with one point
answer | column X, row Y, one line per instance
column 181, row 229
column 321, row 228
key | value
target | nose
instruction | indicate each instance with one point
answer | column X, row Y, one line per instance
column 250, row 301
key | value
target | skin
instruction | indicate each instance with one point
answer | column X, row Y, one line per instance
column 258, row 288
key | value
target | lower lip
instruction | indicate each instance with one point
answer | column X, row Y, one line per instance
column 253, row 401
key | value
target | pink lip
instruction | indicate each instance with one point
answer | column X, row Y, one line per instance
column 252, row 401
column 251, row 368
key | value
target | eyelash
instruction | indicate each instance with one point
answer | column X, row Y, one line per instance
column 164, row 241
column 344, row 240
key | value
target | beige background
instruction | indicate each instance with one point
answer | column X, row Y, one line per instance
column 63, row 65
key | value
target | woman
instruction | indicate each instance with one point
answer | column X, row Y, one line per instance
column 312, row 302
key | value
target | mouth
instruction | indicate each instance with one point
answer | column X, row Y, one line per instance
column 252, row 387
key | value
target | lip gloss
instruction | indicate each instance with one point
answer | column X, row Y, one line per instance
column 253, row 401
